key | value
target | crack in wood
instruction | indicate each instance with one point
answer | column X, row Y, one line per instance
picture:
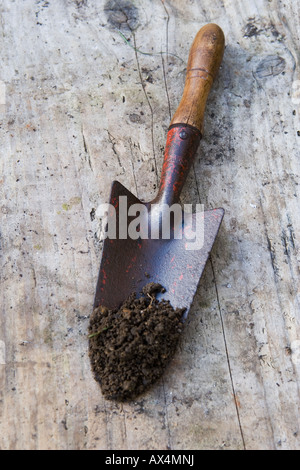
column 86, row 150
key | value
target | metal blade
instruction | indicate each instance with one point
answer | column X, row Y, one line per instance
column 127, row 264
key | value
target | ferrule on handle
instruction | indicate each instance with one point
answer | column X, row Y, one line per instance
column 181, row 146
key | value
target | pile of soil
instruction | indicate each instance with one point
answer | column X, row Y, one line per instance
column 129, row 347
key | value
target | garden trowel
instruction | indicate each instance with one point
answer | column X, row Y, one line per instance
column 154, row 242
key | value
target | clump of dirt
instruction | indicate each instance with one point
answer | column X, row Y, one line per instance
column 130, row 347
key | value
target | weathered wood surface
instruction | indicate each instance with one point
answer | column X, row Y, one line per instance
column 79, row 108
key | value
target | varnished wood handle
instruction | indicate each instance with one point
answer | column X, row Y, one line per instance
column 186, row 126
column 204, row 61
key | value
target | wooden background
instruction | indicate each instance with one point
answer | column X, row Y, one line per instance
column 80, row 107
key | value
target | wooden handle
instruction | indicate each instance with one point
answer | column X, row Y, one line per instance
column 204, row 61
column 186, row 126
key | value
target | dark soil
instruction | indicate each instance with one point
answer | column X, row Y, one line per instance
column 130, row 347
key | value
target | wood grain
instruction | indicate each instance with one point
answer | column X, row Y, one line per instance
column 204, row 60
column 82, row 107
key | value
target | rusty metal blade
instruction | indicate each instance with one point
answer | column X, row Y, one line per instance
column 127, row 264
